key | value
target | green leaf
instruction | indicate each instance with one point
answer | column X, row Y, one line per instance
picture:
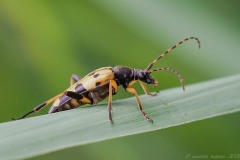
column 43, row 134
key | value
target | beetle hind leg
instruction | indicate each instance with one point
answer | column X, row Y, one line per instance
column 40, row 106
column 25, row 115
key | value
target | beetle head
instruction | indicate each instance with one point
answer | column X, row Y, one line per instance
column 145, row 76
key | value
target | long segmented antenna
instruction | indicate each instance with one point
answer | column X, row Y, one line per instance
column 167, row 51
column 174, row 71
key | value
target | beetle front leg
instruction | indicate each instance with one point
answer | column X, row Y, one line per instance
column 146, row 89
column 133, row 91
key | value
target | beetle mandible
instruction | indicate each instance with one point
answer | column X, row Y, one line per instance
column 104, row 82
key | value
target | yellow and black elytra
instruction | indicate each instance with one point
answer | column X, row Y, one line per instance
column 104, row 82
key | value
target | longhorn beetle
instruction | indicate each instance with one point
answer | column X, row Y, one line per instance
column 104, row 82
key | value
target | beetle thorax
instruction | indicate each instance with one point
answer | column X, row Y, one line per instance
column 124, row 75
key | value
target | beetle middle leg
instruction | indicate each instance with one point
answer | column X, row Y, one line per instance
column 110, row 102
column 112, row 90
column 133, row 91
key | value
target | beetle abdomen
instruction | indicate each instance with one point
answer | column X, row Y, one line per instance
column 99, row 94
column 64, row 103
column 93, row 88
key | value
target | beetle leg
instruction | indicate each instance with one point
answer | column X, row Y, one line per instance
column 114, row 87
column 40, row 106
column 133, row 91
column 74, row 79
column 110, row 102
column 146, row 89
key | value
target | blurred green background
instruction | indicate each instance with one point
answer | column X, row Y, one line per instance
column 43, row 42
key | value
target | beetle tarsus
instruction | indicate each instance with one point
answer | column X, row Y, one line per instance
column 149, row 119
column 110, row 116
column 25, row 115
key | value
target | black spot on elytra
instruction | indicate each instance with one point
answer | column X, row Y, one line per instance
column 95, row 75
column 79, row 88
column 92, row 73
column 73, row 95
column 97, row 84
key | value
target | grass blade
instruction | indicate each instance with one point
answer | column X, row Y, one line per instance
column 43, row 134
